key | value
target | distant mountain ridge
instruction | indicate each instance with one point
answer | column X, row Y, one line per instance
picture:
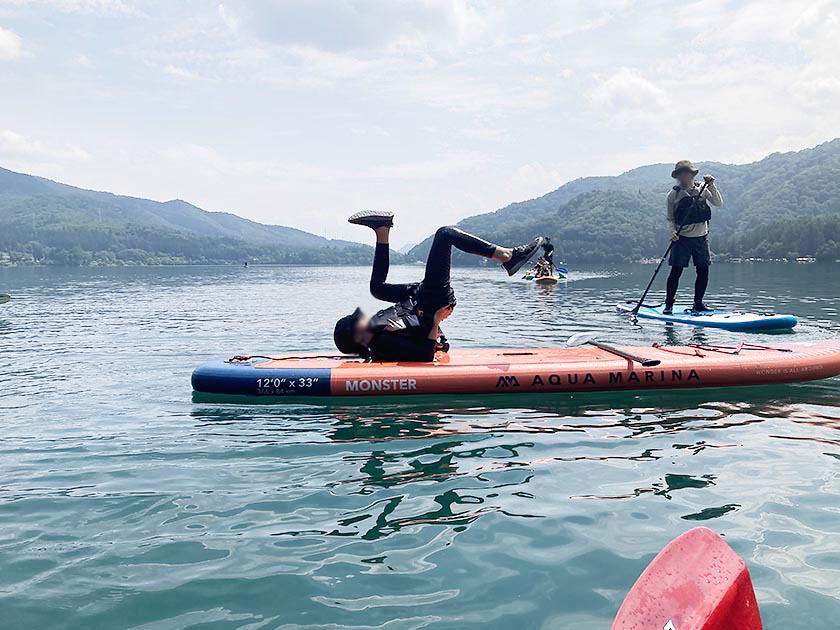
column 783, row 205
column 42, row 221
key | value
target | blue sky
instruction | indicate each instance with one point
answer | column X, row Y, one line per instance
column 300, row 113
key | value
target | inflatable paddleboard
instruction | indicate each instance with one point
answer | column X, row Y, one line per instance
column 546, row 280
column 741, row 321
column 525, row 370
column 696, row 583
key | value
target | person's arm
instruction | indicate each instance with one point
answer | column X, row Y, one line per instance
column 712, row 194
column 670, row 206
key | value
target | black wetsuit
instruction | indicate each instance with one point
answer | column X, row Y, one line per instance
column 400, row 332
column 548, row 254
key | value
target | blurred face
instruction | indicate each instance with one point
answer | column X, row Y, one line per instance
column 361, row 334
column 685, row 178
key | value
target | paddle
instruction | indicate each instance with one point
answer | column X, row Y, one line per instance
column 697, row 582
column 588, row 338
column 4, row 297
column 636, row 308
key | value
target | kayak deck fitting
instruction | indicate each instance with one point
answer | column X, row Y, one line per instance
column 523, row 370
column 738, row 321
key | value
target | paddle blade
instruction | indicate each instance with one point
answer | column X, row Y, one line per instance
column 563, row 270
column 4, row 297
column 581, row 338
column 696, row 583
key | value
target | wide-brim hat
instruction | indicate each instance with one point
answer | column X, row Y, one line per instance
column 684, row 165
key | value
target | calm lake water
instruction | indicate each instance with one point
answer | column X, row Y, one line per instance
column 124, row 504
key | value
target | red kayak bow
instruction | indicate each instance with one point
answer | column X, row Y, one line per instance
column 696, row 583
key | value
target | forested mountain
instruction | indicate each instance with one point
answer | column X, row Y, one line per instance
column 787, row 204
column 45, row 222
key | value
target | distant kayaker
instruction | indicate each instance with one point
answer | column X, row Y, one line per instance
column 410, row 329
column 689, row 200
column 548, row 252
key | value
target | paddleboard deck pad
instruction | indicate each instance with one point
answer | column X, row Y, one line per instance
column 524, row 370
column 740, row 321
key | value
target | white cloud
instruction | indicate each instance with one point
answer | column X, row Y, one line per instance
column 359, row 24
column 88, row 7
column 627, row 97
column 487, row 133
column 11, row 45
column 15, row 146
column 177, row 71
column 82, row 61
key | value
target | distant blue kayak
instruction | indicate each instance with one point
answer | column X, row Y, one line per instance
column 720, row 318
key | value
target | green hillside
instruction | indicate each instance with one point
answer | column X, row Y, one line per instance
column 787, row 204
column 45, row 222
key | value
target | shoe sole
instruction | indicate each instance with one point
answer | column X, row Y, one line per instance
column 526, row 259
column 368, row 217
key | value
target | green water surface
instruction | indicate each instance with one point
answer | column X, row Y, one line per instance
column 124, row 504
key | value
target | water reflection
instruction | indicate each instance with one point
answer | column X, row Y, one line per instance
column 126, row 503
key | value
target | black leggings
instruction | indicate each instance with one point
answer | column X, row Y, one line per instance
column 700, row 285
column 438, row 264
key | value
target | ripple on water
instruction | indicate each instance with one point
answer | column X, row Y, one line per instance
column 126, row 505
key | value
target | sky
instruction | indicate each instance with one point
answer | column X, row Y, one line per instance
column 301, row 112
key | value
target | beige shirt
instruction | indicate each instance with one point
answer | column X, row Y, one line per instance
column 710, row 194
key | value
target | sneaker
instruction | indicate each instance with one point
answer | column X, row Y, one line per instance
column 699, row 308
column 522, row 254
column 373, row 218
column 668, row 310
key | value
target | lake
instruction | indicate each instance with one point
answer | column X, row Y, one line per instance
column 125, row 504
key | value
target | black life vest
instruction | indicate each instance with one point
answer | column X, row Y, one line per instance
column 406, row 319
column 691, row 209
column 403, row 318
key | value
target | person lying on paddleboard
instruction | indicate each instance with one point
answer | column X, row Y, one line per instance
column 691, row 240
column 410, row 329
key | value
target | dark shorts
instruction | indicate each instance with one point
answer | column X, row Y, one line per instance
column 691, row 248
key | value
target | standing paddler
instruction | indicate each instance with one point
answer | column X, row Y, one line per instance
column 548, row 253
column 688, row 216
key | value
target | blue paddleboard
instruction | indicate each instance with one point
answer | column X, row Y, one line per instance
column 719, row 318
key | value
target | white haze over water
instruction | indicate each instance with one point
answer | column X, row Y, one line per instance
column 299, row 113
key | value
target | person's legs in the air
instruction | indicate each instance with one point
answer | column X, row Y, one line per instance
column 439, row 260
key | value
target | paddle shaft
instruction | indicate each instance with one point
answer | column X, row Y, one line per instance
column 636, row 308
column 625, row 355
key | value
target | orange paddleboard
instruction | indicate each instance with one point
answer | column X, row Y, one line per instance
column 524, row 370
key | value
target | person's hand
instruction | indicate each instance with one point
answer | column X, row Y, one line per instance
column 709, row 179
column 443, row 313
column 675, row 236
